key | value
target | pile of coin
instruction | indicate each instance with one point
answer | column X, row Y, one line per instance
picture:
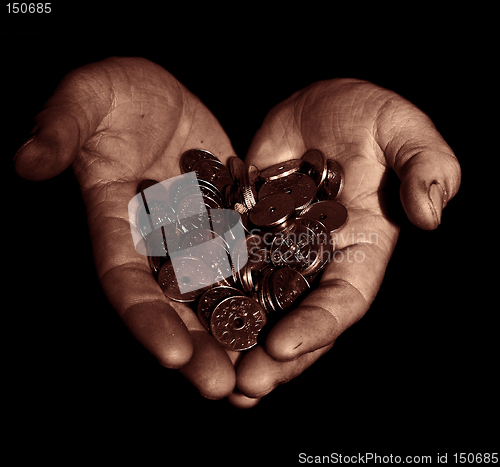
column 236, row 282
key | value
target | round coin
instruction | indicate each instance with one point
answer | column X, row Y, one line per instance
column 236, row 322
column 299, row 186
column 281, row 170
column 210, row 299
column 331, row 214
column 334, row 183
column 184, row 278
column 315, row 165
column 305, row 246
column 192, row 213
column 213, row 172
column 237, row 169
column 190, row 157
column 287, row 285
column 272, row 210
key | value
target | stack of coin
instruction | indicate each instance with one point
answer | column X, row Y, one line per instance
column 288, row 212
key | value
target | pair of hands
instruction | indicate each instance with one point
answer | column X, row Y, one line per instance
column 123, row 120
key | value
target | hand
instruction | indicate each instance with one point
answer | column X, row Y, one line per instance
column 118, row 122
column 370, row 131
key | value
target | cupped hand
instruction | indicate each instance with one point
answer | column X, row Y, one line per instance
column 123, row 120
column 370, row 131
column 117, row 122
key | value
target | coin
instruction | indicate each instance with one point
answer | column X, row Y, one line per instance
column 190, row 157
column 272, row 210
column 301, row 187
column 305, row 246
column 237, row 169
column 159, row 244
column 211, row 248
column 184, row 278
column 236, row 322
column 213, row 172
column 334, row 183
column 192, row 213
column 315, row 165
column 287, row 285
column 253, row 174
column 249, row 196
column 209, row 300
column 154, row 215
column 144, row 184
column 264, row 294
column 281, row 170
column 331, row 214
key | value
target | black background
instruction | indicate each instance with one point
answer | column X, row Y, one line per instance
column 417, row 375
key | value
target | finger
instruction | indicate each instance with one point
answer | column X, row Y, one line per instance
column 69, row 118
column 428, row 169
column 127, row 280
column 210, row 370
column 258, row 374
column 240, row 401
column 84, row 105
column 346, row 290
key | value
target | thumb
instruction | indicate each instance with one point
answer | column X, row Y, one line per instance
column 427, row 167
column 69, row 118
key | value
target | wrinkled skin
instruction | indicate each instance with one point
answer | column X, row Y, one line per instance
column 126, row 119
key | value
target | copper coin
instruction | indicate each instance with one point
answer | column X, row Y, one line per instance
column 315, row 165
column 184, row 278
column 281, row 170
column 331, row 214
column 213, row 172
column 192, row 213
column 253, row 174
column 301, row 187
column 305, row 246
column 237, row 169
column 190, row 157
column 159, row 244
column 154, row 215
column 210, row 299
column 287, row 285
column 264, row 294
column 334, row 183
column 236, row 322
column 210, row 248
column 272, row 210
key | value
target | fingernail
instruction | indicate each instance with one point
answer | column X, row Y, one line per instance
column 436, row 196
column 33, row 134
column 23, row 146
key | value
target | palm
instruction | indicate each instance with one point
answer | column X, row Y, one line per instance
column 365, row 128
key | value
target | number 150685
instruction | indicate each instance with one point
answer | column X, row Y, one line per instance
column 29, row 7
